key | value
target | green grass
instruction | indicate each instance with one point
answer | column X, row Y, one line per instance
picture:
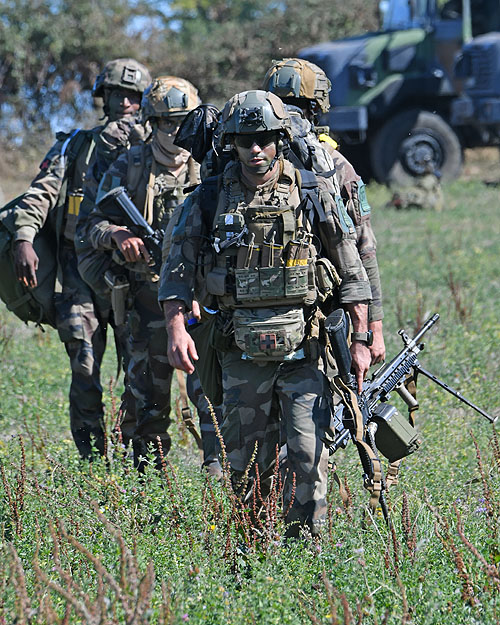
column 77, row 541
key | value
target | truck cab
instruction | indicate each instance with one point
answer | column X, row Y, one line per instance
column 401, row 97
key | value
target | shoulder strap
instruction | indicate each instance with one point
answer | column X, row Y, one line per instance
column 209, row 194
column 309, row 194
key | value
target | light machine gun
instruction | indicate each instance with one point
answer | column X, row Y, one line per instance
column 153, row 239
column 367, row 418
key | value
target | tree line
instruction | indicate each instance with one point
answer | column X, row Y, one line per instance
column 52, row 50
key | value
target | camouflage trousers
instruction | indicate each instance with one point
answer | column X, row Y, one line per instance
column 149, row 374
column 81, row 321
column 264, row 402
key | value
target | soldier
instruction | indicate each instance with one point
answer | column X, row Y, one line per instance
column 55, row 196
column 249, row 253
column 304, row 87
column 156, row 175
column 93, row 266
column 426, row 191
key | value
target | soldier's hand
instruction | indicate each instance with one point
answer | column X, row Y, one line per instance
column 26, row 263
column 361, row 359
column 181, row 348
column 132, row 247
column 377, row 348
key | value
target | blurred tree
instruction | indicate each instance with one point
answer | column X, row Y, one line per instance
column 226, row 46
column 51, row 52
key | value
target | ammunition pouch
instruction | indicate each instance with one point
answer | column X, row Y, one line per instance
column 269, row 333
column 120, row 287
column 395, row 438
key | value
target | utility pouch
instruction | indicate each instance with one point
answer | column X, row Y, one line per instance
column 395, row 438
column 120, row 287
column 229, row 229
column 73, row 209
column 271, row 282
column 216, row 281
column 327, row 278
column 247, row 284
column 296, row 280
column 268, row 333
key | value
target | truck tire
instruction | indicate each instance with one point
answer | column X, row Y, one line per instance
column 403, row 146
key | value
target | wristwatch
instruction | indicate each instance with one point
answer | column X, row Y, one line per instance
column 364, row 337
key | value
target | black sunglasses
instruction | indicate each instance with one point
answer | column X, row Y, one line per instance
column 260, row 138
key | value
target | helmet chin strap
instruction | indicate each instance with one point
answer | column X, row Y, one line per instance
column 279, row 152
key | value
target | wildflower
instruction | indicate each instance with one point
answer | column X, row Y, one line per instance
column 185, row 617
column 212, row 527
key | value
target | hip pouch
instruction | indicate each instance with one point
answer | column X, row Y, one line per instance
column 269, row 333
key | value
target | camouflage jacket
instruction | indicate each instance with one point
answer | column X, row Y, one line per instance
column 179, row 276
column 115, row 139
column 354, row 196
column 133, row 171
column 56, row 192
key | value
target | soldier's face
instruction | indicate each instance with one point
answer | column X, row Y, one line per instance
column 122, row 102
column 256, row 152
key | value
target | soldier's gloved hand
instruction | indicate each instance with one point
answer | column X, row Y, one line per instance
column 26, row 263
column 132, row 247
column 377, row 348
column 361, row 359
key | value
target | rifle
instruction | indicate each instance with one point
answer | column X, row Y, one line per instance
column 367, row 418
column 153, row 239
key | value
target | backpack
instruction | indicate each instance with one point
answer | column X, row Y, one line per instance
column 36, row 305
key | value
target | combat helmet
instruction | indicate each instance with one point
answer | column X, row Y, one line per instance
column 296, row 79
column 169, row 96
column 125, row 73
column 249, row 112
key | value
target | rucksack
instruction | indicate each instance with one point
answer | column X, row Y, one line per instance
column 37, row 304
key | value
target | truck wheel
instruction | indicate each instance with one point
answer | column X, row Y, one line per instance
column 404, row 145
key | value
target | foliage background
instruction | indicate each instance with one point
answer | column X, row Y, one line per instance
column 51, row 51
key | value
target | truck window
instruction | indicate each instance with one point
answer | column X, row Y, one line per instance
column 404, row 14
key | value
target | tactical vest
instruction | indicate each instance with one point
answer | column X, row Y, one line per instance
column 264, row 255
column 265, row 265
column 141, row 173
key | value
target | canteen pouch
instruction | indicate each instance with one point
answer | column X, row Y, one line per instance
column 395, row 438
column 327, row 278
column 268, row 333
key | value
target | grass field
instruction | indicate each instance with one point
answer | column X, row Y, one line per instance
column 96, row 545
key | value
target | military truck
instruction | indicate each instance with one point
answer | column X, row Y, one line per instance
column 418, row 91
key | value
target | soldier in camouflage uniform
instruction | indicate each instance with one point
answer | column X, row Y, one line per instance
column 114, row 140
column 425, row 193
column 238, row 256
column 156, row 175
column 304, row 87
column 55, row 196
